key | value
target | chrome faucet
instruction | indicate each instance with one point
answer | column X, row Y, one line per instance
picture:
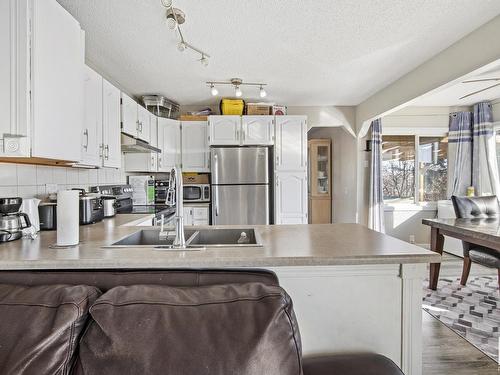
column 175, row 197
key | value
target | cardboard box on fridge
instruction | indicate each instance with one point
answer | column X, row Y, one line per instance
column 258, row 109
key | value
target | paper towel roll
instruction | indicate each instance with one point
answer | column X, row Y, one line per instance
column 68, row 218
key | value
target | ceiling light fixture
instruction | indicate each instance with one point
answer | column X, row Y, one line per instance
column 175, row 18
column 237, row 83
column 214, row 90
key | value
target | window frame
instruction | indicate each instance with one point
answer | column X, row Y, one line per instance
column 416, row 133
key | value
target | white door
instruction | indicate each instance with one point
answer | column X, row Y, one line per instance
column 224, row 130
column 57, row 82
column 144, row 125
column 111, row 142
column 257, row 130
column 290, row 143
column 195, row 150
column 92, row 119
column 130, row 122
column 169, row 135
column 201, row 215
column 291, row 198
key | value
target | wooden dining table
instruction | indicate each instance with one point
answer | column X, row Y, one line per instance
column 483, row 232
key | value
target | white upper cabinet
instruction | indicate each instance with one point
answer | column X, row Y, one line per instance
column 129, row 115
column 144, row 123
column 291, row 198
column 224, row 130
column 153, row 137
column 57, row 82
column 195, row 150
column 92, row 119
column 257, row 130
column 290, row 143
column 111, row 146
column 41, row 64
column 169, row 141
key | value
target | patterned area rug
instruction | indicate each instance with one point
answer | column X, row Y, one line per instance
column 472, row 311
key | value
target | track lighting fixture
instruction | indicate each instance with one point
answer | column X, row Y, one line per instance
column 175, row 18
column 236, row 83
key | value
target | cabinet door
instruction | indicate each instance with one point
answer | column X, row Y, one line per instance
column 320, row 168
column 111, row 125
column 144, row 125
column 201, row 216
column 141, row 162
column 257, row 130
column 169, row 136
column 92, row 118
column 291, row 198
column 57, row 49
column 290, row 143
column 224, row 130
column 130, row 122
column 195, row 146
column 153, row 139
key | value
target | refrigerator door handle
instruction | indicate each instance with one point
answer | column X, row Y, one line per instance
column 216, row 177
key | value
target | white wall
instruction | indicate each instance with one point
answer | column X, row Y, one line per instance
column 28, row 181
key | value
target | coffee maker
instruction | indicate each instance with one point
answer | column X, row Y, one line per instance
column 12, row 222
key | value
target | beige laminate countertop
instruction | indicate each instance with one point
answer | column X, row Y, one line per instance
column 284, row 245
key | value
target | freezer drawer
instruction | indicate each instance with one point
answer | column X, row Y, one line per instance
column 240, row 165
column 240, row 204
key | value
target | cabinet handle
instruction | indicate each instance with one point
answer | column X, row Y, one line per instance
column 137, row 125
column 86, row 134
column 106, row 152
column 101, row 147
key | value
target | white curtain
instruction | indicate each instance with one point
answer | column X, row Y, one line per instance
column 484, row 161
column 376, row 208
column 459, row 153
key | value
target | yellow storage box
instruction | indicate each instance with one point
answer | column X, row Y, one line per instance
column 232, row 106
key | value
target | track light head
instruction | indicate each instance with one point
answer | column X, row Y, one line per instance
column 204, row 60
column 181, row 46
column 238, row 92
column 262, row 92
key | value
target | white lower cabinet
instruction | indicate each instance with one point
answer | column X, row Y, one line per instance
column 196, row 214
column 195, row 150
column 290, row 198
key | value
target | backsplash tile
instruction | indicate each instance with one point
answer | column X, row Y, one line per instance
column 28, row 181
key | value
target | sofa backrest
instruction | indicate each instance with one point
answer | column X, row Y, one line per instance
column 108, row 279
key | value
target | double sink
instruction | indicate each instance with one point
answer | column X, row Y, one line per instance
column 195, row 239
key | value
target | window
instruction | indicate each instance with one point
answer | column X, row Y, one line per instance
column 414, row 168
column 398, row 168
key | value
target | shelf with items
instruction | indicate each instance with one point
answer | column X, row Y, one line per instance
column 320, row 181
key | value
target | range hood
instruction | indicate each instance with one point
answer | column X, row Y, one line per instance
column 134, row 145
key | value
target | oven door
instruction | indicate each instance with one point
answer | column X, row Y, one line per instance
column 192, row 193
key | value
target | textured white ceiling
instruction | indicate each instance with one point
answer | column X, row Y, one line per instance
column 449, row 96
column 310, row 52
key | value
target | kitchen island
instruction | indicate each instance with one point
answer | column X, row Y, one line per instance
column 353, row 289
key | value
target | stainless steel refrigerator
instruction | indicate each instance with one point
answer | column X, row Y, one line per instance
column 240, row 185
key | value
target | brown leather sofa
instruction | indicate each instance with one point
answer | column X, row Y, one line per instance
column 158, row 322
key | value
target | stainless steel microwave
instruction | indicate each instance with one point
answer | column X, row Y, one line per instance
column 196, row 193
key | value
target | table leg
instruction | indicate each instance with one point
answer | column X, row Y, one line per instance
column 437, row 241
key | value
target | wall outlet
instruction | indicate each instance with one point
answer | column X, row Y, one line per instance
column 412, row 238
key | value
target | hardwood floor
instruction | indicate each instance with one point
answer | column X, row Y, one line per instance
column 445, row 352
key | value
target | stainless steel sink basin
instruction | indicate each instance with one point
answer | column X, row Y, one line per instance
column 225, row 237
column 148, row 238
column 195, row 239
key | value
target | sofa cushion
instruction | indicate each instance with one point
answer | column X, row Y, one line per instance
column 246, row 329
column 40, row 327
column 351, row 364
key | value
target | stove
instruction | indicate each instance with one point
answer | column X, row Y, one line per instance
column 122, row 193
